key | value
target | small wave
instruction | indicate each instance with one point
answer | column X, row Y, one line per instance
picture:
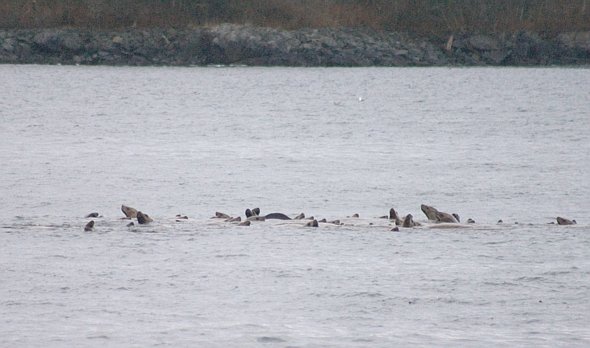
column 364, row 294
column 269, row 339
column 500, row 284
column 363, row 340
column 98, row 337
column 530, row 279
column 556, row 273
column 227, row 256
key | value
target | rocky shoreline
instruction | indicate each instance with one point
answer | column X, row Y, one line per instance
column 228, row 44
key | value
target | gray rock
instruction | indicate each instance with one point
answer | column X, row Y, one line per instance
column 8, row 45
column 575, row 40
column 47, row 40
column 483, row 43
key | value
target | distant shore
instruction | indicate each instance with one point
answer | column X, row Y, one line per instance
column 228, row 44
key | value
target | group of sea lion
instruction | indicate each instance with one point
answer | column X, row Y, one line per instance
column 434, row 216
column 130, row 213
column 254, row 215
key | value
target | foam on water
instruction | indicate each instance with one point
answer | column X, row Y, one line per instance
column 486, row 143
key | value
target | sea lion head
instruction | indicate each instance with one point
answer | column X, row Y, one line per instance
column 393, row 214
column 89, row 226
column 408, row 221
column 248, row 213
column 312, row 223
column 429, row 211
column 220, row 215
column 129, row 212
column 256, row 211
column 143, row 218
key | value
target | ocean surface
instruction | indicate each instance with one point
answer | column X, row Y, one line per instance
column 486, row 143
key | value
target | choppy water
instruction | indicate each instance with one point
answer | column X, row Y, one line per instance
column 487, row 143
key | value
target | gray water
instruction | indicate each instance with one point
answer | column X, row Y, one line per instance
column 487, row 143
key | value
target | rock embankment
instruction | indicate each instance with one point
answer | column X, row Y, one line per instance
column 246, row 45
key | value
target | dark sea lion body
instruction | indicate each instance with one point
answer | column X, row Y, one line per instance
column 92, row 215
column 564, row 221
column 278, row 216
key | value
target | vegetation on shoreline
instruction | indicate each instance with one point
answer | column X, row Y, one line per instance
column 430, row 17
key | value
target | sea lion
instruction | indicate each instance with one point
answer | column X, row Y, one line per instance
column 500, row 222
column 143, row 219
column 395, row 217
column 219, row 215
column 395, row 229
column 299, row 217
column 433, row 214
column 456, row 216
column 323, row 220
column 89, row 226
column 470, row 221
column 252, row 212
column 278, row 216
column 355, row 215
column 392, row 214
column 408, row 221
column 312, row 223
column 92, row 215
column 429, row 211
column 236, row 219
column 129, row 212
column 564, row 221
column 245, row 223
column 445, row 217
column 183, row 217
